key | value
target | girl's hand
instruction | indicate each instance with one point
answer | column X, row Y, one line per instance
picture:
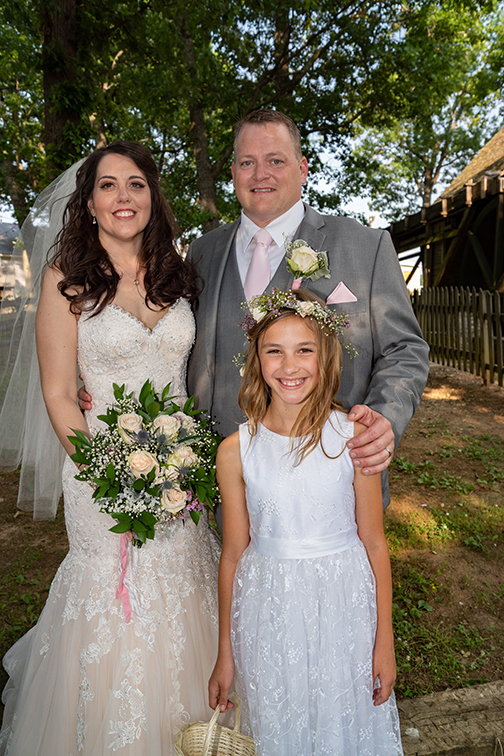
column 384, row 668
column 220, row 683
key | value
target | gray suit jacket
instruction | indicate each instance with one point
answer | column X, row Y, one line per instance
column 390, row 370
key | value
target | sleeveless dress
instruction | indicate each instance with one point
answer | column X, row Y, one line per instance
column 83, row 682
column 304, row 607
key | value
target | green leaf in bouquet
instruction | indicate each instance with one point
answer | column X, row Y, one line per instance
column 110, row 418
column 101, row 491
column 118, row 391
column 201, row 493
column 165, row 394
column 146, row 393
column 122, row 527
column 121, row 516
column 195, row 517
column 80, row 458
column 152, row 407
column 189, row 405
column 139, row 484
column 113, row 492
column 140, row 530
column 111, row 472
column 80, row 440
column 148, row 519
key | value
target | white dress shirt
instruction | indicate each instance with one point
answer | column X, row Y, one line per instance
column 280, row 229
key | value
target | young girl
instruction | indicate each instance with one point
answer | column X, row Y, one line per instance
column 305, row 589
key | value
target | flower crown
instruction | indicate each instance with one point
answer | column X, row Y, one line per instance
column 264, row 304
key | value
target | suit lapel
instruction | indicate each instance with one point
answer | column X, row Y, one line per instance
column 313, row 231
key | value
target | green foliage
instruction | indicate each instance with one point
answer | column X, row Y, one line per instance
column 444, row 120
column 177, row 77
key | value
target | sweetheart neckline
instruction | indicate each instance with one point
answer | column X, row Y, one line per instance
column 129, row 314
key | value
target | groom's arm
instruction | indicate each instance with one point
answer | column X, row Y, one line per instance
column 400, row 363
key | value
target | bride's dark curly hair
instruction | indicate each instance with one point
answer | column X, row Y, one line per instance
column 88, row 274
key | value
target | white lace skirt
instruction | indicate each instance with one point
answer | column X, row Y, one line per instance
column 303, row 634
column 83, row 681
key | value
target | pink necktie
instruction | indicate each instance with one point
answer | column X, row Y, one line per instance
column 259, row 273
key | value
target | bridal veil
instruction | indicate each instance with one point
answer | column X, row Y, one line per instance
column 26, row 434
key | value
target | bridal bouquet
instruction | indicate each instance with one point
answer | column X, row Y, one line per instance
column 152, row 464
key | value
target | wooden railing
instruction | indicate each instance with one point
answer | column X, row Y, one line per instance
column 464, row 329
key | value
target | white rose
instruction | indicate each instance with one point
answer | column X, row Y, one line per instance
column 167, row 424
column 257, row 314
column 306, row 307
column 304, row 259
column 141, row 463
column 173, row 499
column 127, row 425
column 186, row 421
column 182, row 457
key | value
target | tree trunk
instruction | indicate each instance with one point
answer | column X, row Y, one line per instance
column 204, row 173
column 62, row 112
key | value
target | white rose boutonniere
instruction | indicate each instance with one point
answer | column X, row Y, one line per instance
column 305, row 262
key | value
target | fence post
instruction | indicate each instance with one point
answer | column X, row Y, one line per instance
column 499, row 346
column 484, row 341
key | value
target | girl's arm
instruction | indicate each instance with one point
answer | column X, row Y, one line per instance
column 56, row 332
column 235, row 540
column 369, row 515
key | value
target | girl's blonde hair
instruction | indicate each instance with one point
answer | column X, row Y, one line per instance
column 255, row 394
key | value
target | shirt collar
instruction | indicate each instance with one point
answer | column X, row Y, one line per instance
column 284, row 226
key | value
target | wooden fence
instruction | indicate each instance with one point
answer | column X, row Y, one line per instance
column 464, row 329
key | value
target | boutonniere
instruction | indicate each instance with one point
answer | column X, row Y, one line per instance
column 305, row 262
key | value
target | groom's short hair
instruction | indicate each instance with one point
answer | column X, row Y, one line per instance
column 266, row 116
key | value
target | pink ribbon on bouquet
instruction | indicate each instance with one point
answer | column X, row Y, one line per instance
column 122, row 590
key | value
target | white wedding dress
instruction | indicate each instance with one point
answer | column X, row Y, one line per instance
column 83, row 681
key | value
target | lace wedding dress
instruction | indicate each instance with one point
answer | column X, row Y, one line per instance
column 83, row 682
column 304, row 606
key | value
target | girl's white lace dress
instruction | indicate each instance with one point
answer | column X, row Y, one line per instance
column 304, row 607
column 83, row 682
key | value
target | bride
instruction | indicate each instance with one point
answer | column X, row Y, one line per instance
column 115, row 301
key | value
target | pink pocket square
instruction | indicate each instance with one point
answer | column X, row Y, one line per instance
column 341, row 294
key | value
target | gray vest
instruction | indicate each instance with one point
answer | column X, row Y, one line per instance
column 231, row 340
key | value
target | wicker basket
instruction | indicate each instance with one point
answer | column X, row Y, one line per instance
column 211, row 739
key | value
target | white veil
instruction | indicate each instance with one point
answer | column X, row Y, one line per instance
column 26, row 434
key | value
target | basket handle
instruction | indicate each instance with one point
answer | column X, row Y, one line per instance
column 213, row 722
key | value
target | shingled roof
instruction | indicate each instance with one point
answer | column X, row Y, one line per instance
column 489, row 161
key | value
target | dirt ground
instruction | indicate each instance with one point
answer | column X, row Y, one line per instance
column 454, row 404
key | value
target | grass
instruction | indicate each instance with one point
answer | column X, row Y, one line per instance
column 446, row 551
column 23, row 594
column 449, row 621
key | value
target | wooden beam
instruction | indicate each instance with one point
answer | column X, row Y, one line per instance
column 460, row 234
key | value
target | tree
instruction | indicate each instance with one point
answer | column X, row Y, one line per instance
column 444, row 121
column 178, row 77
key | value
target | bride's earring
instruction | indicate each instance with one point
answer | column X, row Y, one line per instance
column 94, row 220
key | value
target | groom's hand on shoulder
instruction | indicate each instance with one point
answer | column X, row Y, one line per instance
column 85, row 399
column 373, row 449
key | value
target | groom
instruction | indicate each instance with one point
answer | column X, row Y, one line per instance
column 383, row 384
